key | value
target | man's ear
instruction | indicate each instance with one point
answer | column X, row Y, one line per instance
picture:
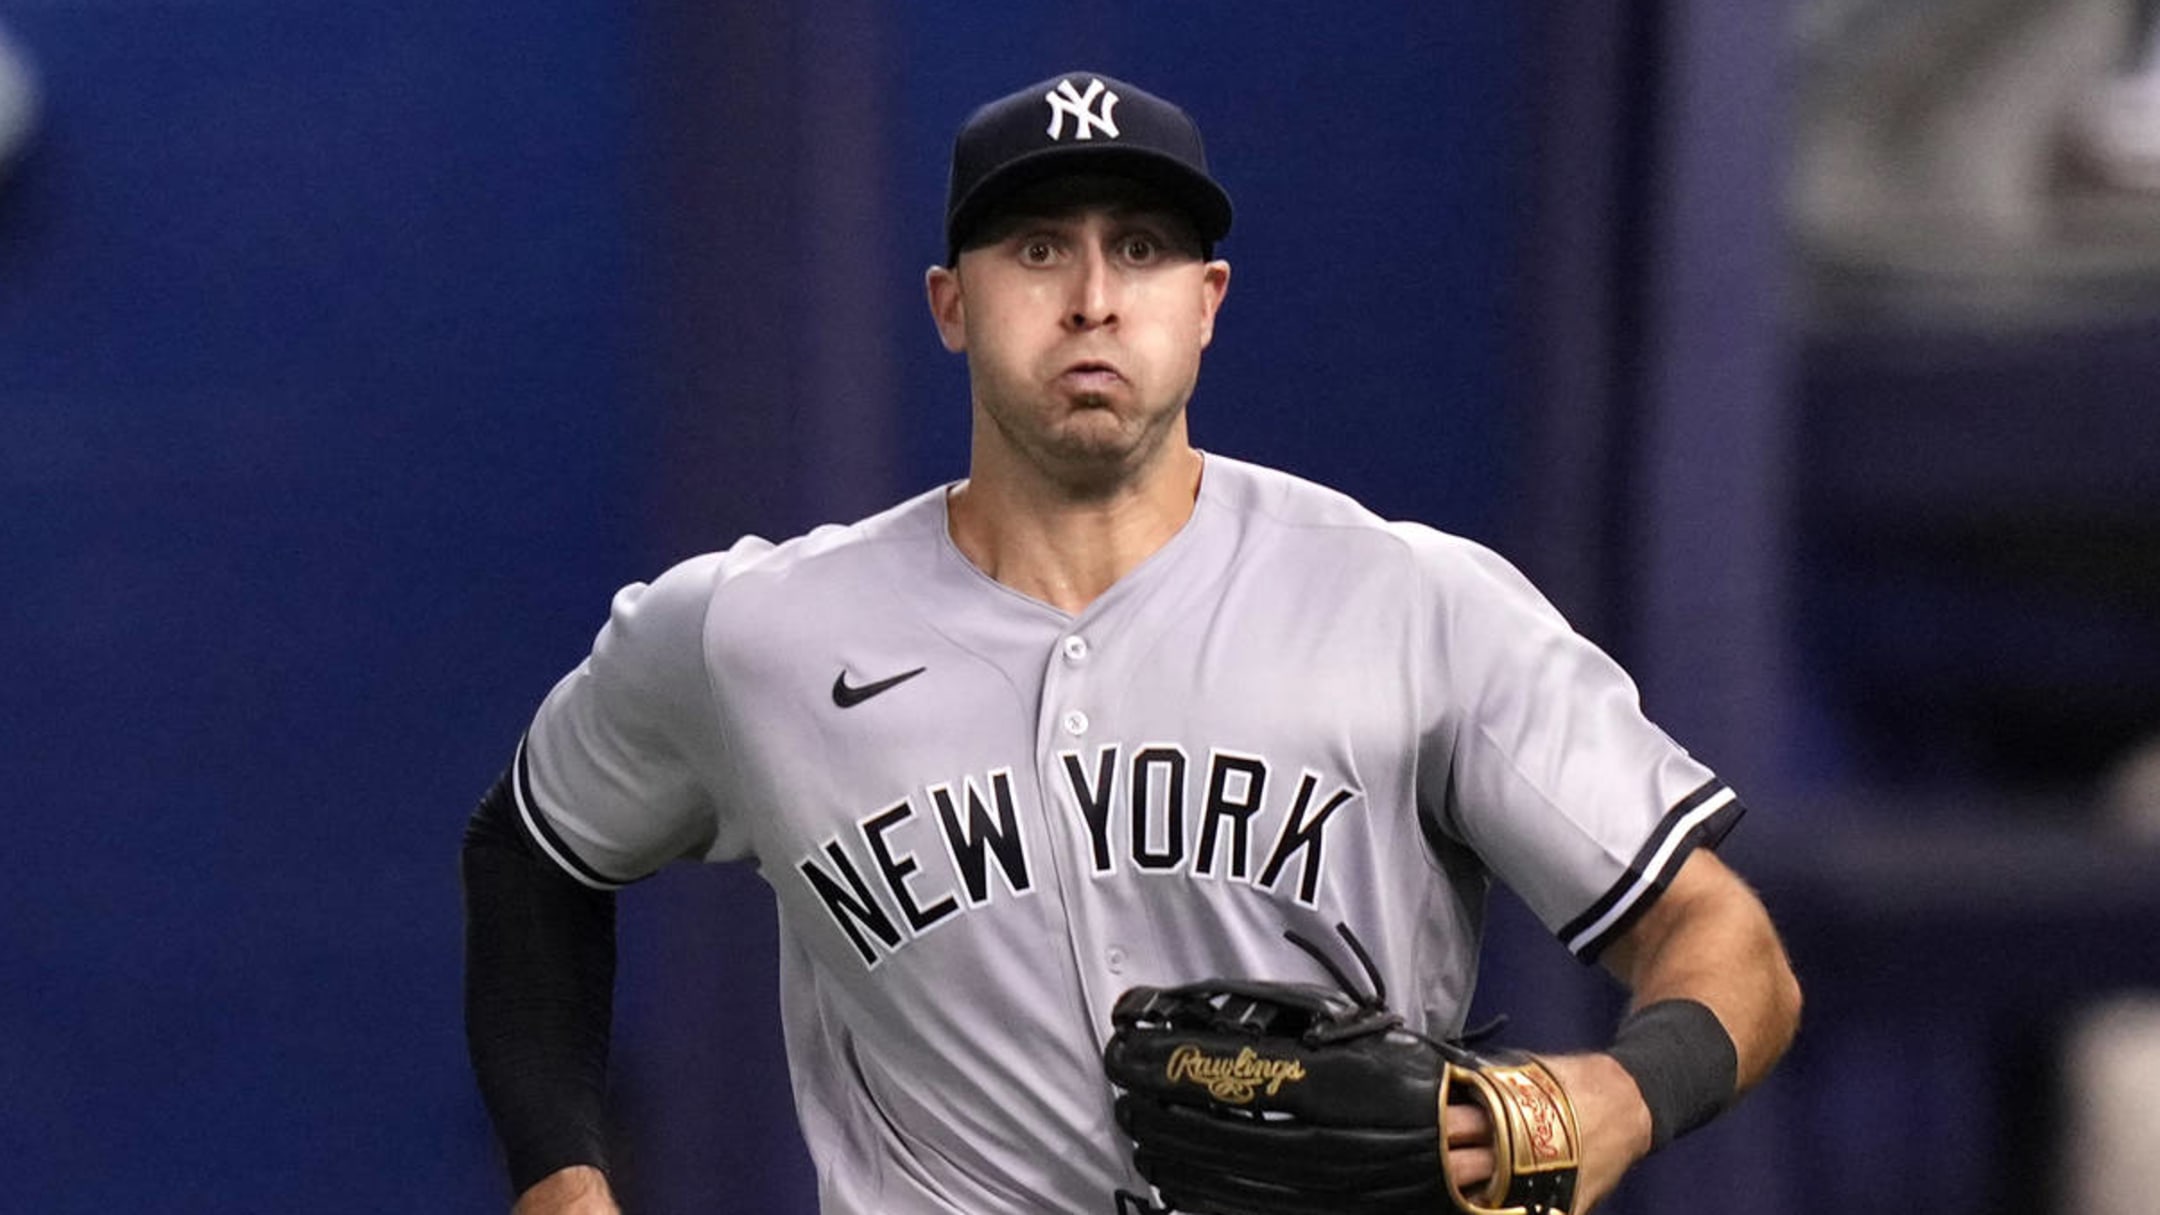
column 1214, row 285
column 942, row 285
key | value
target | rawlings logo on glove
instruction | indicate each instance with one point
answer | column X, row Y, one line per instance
column 1232, row 1080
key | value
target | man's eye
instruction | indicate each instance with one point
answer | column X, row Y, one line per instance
column 1036, row 251
column 1141, row 248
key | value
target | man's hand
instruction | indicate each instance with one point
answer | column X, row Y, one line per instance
column 1610, row 1118
column 1468, row 1131
column 577, row 1190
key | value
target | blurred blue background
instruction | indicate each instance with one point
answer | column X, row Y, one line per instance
column 352, row 355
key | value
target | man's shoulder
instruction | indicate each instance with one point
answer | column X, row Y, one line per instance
column 825, row 561
column 1300, row 518
column 1272, row 497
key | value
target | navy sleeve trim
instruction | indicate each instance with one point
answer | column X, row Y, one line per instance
column 1699, row 820
column 544, row 835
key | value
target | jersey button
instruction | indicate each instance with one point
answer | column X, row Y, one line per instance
column 1076, row 722
column 1076, row 649
column 1115, row 958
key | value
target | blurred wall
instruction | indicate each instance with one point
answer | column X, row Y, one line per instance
column 350, row 356
column 316, row 453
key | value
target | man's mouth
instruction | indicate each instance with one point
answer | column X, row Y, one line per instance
column 1091, row 375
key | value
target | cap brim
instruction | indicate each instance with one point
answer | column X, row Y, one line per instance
column 1200, row 199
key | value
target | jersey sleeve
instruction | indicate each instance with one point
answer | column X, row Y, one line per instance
column 1539, row 758
column 613, row 779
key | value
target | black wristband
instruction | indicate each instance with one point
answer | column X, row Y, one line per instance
column 1683, row 1061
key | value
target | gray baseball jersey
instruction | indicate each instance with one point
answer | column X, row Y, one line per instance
column 984, row 818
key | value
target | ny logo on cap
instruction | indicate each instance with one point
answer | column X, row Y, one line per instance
column 1087, row 116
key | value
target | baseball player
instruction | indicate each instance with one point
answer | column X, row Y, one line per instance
column 1111, row 712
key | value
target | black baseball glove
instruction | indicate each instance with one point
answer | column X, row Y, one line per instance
column 1263, row 1098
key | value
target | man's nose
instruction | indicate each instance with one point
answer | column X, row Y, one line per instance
column 1094, row 291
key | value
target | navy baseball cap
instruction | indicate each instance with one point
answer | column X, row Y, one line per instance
column 1080, row 122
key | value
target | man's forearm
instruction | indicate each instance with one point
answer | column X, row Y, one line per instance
column 1710, row 940
column 1707, row 939
column 539, row 991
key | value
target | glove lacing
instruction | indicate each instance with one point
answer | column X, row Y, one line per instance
column 1377, row 1018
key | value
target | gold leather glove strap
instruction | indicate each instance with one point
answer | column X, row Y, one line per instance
column 1536, row 1145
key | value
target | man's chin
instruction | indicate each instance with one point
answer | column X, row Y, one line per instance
column 1099, row 465
column 1101, row 440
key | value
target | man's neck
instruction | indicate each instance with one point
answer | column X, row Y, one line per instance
column 1063, row 550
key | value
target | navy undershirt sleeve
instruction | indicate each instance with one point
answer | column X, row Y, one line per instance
column 539, row 995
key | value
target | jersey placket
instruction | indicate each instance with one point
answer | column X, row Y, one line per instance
column 1088, row 676
column 1067, row 724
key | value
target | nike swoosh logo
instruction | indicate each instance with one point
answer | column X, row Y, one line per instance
column 847, row 697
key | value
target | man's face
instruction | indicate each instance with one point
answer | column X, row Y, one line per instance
column 1083, row 311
